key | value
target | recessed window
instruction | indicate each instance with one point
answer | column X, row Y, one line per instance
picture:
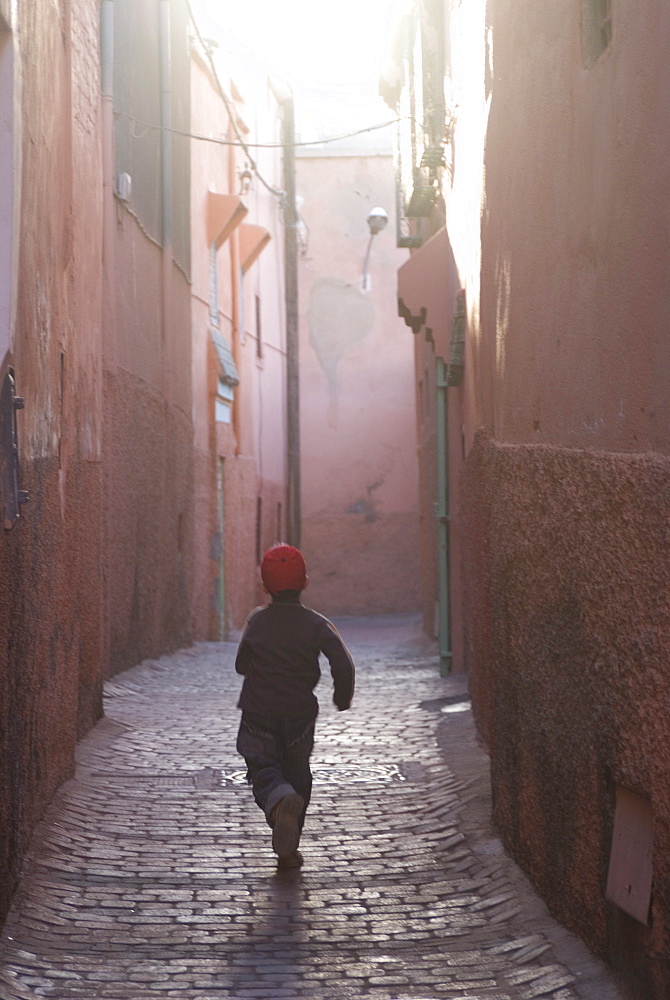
column 223, row 404
column 213, row 287
column 596, row 28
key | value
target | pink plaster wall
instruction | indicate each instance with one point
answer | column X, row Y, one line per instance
column 51, row 592
column 556, row 212
column 148, row 459
column 569, row 570
column 567, row 486
column 252, row 448
column 359, row 468
column 575, row 242
column 148, row 429
column 435, row 260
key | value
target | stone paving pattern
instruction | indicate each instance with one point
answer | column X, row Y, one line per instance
column 153, row 876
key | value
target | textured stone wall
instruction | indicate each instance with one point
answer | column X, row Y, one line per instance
column 568, row 596
column 148, row 432
column 50, row 566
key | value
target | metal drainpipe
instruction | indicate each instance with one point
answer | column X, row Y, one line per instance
column 443, row 519
column 166, row 181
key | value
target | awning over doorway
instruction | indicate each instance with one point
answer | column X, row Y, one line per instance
column 253, row 240
column 427, row 285
column 224, row 213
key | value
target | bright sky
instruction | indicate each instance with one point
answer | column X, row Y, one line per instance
column 331, row 51
column 312, row 41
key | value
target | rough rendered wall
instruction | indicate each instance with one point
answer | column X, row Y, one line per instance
column 359, row 469
column 148, row 469
column 51, row 594
column 567, row 551
column 148, row 443
column 579, row 594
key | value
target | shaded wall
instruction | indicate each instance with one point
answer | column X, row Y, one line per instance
column 567, row 561
column 148, row 444
column 359, row 468
column 50, row 566
column 571, row 584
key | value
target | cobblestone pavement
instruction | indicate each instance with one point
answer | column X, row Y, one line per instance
column 153, row 876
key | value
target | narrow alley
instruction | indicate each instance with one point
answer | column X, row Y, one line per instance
column 153, row 876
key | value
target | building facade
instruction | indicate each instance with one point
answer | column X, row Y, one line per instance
column 360, row 524
column 239, row 321
column 143, row 352
column 51, row 231
column 148, row 425
column 539, row 225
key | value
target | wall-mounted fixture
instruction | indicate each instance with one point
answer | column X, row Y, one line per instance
column 246, row 178
column 124, row 185
column 377, row 219
column 12, row 496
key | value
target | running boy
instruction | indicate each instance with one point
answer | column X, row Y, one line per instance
column 278, row 657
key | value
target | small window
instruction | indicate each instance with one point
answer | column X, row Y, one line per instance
column 223, row 404
column 596, row 28
column 213, row 287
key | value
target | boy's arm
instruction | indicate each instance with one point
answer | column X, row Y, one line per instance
column 244, row 649
column 341, row 667
column 242, row 657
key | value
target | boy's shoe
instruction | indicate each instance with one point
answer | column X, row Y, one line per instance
column 286, row 832
column 287, row 861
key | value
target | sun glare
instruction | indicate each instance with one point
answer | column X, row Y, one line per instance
column 309, row 41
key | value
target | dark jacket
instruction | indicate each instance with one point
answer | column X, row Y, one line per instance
column 278, row 656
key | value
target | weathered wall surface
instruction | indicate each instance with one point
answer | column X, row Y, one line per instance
column 148, row 472
column 567, row 551
column 50, row 567
column 575, row 243
column 240, row 465
column 148, row 432
column 577, row 549
column 359, row 469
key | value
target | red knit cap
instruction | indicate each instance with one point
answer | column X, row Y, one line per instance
column 283, row 568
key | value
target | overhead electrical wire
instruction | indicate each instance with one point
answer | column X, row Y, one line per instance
column 243, row 144
column 224, row 97
column 240, row 142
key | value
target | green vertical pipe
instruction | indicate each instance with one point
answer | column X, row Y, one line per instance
column 442, row 512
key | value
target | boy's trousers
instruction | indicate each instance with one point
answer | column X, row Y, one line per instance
column 277, row 750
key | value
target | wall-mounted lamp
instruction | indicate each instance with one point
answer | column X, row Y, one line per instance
column 246, row 178
column 377, row 219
